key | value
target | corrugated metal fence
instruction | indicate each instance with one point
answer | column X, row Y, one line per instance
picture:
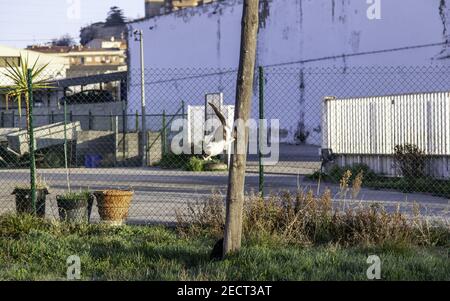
column 366, row 130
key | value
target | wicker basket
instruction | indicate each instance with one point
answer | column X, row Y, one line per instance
column 113, row 205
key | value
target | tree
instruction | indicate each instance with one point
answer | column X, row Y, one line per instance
column 87, row 34
column 115, row 17
column 65, row 40
column 27, row 78
column 18, row 75
column 244, row 93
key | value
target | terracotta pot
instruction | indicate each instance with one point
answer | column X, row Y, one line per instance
column 113, row 205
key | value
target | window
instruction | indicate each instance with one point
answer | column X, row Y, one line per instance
column 5, row 60
column 89, row 59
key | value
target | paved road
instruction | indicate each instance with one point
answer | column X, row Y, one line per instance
column 160, row 193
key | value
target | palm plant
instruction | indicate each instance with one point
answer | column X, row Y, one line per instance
column 25, row 79
column 18, row 74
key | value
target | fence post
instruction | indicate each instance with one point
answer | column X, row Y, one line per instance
column 124, row 133
column 111, row 121
column 3, row 119
column 66, row 165
column 182, row 108
column 13, row 119
column 164, row 133
column 90, row 120
column 52, row 117
column 261, row 130
column 116, row 136
column 31, row 140
column 137, row 121
column 71, row 116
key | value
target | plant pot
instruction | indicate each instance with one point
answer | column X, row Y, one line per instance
column 24, row 204
column 76, row 211
column 113, row 205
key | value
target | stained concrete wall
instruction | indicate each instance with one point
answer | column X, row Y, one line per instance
column 294, row 33
column 117, row 149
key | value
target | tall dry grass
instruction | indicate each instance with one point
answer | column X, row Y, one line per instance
column 308, row 219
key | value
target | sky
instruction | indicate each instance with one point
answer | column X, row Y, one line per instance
column 25, row 22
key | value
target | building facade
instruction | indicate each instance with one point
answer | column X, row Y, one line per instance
column 56, row 69
column 160, row 7
column 84, row 60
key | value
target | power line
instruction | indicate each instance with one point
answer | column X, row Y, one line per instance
column 333, row 57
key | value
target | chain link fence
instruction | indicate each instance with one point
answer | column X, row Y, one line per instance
column 389, row 124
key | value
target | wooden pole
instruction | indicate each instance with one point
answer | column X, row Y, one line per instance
column 244, row 93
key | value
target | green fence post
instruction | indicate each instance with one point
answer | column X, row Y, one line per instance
column 66, row 165
column 31, row 140
column 260, row 130
column 164, row 133
column 137, row 121
column 182, row 108
column 124, row 134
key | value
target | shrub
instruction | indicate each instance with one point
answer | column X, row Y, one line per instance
column 195, row 164
column 174, row 161
column 336, row 173
column 411, row 161
column 306, row 219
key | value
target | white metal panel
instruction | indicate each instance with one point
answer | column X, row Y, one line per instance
column 374, row 125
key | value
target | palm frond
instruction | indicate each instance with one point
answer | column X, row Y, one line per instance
column 18, row 74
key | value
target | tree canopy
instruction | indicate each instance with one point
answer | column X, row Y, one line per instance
column 115, row 17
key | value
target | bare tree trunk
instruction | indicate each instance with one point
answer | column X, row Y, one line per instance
column 244, row 93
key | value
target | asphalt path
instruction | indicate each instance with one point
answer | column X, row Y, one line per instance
column 161, row 194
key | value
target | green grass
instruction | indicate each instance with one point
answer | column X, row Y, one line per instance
column 32, row 249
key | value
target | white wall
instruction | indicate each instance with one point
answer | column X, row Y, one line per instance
column 315, row 34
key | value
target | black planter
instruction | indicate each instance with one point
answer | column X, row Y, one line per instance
column 75, row 211
column 24, row 204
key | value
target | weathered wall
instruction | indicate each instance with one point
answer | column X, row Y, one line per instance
column 294, row 33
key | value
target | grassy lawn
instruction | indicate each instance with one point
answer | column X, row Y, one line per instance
column 31, row 249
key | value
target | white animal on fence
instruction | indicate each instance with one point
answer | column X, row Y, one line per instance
column 214, row 148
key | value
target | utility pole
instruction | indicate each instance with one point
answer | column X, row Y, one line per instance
column 139, row 36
